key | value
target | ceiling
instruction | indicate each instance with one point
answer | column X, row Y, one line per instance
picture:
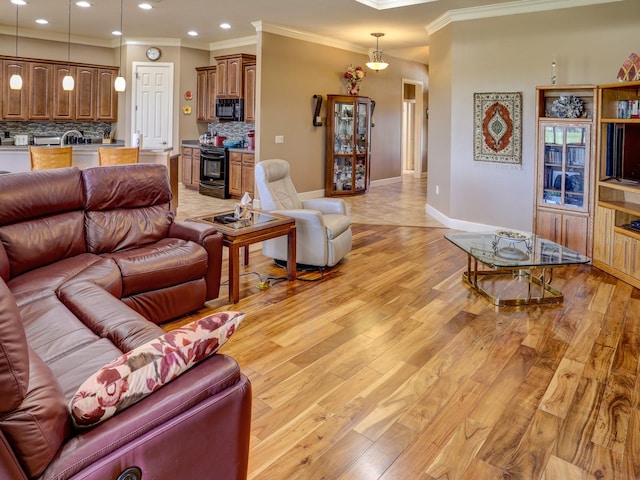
column 347, row 23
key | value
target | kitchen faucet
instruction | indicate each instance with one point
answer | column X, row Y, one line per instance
column 70, row 132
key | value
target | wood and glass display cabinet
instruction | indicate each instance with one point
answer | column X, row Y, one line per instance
column 616, row 240
column 347, row 145
column 565, row 152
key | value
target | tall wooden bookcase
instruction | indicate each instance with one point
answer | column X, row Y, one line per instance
column 565, row 159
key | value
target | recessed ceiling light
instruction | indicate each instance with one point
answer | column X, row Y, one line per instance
column 145, row 6
column 226, row 26
column 117, row 33
column 192, row 33
column 18, row 2
column 42, row 21
column 83, row 4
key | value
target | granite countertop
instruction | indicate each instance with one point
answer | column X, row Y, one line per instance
column 86, row 147
column 196, row 144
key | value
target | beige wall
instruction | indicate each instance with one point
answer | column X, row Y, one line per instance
column 51, row 50
column 505, row 54
column 290, row 72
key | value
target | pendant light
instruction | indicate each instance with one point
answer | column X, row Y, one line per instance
column 120, row 84
column 377, row 62
column 15, row 82
column 68, row 82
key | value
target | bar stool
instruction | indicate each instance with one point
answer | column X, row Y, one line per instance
column 118, row 155
column 44, row 158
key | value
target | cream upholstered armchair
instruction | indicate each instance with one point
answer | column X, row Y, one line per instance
column 323, row 228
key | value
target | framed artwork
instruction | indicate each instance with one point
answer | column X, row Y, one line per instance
column 497, row 128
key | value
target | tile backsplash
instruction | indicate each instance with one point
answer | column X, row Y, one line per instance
column 232, row 130
column 93, row 130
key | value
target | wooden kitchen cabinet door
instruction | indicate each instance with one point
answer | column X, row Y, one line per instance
column 40, row 91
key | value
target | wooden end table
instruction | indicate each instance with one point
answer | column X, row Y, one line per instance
column 262, row 226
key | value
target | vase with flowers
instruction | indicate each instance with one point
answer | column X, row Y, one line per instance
column 353, row 76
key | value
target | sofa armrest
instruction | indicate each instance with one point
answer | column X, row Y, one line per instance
column 326, row 205
column 209, row 237
column 194, row 231
column 202, row 414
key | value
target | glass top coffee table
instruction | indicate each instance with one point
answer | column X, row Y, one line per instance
column 516, row 268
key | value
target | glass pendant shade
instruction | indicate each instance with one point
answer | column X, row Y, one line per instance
column 15, row 82
column 377, row 62
column 120, row 85
column 68, row 83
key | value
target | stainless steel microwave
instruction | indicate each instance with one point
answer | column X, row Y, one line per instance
column 230, row 109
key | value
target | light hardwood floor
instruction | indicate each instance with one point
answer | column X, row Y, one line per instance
column 388, row 367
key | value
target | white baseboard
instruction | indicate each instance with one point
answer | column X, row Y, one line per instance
column 459, row 224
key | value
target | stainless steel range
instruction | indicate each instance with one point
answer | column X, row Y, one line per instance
column 214, row 171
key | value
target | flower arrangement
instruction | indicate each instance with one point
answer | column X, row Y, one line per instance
column 354, row 76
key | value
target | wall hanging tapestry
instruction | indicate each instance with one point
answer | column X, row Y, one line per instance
column 497, row 128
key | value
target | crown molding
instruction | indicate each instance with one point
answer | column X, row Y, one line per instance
column 234, row 42
column 385, row 4
column 508, row 8
column 308, row 37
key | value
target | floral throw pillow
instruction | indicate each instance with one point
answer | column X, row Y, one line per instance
column 131, row 377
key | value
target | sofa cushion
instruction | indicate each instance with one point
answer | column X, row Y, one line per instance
column 126, row 206
column 14, row 357
column 52, row 330
column 29, row 200
column 42, row 241
column 42, row 281
column 138, row 373
column 40, row 424
column 167, row 262
column 107, row 316
column 164, row 304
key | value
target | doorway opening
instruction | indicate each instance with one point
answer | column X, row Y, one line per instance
column 412, row 128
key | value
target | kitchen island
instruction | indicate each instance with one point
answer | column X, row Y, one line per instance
column 15, row 158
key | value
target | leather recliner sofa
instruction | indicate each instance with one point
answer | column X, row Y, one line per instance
column 90, row 262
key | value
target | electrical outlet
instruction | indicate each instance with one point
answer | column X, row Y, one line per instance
column 437, row 189
column 279, row 139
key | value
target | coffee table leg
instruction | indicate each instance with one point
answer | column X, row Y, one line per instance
column 291, row 254
column 234, row 273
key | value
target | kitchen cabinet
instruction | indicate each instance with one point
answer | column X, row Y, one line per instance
column 42, row 97
column 565, row 160
column 191, row 167
column 230, row 75
column 64, row 102
column 241, row 174
column 106, row 95
column 206, row 94
column 40, row 90
column 85, row 91
column 250, row 93
column 347, row 145
column 15, row 103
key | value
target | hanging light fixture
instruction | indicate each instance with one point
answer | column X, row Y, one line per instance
column 377, row 62
column 15, row 82
column 120, row 84
column 68, row 82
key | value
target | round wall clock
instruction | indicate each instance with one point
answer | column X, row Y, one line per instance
column 153, row 53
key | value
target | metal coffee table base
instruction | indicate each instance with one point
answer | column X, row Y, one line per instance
column 546, row 294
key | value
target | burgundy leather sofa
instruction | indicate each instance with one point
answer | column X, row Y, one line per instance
column 90, row 262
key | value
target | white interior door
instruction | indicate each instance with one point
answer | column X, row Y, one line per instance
column 408, row 140
column 153, row 104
